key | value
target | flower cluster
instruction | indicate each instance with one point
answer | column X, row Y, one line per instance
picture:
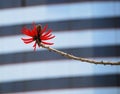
column 38, row 35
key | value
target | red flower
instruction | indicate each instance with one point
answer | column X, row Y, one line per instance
column 38, row 35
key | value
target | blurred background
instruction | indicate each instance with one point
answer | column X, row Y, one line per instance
column 85, row 28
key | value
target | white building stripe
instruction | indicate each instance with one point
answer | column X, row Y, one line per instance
column 83, row 38
column 54, row 69
column 105, row 90
column 44, row 13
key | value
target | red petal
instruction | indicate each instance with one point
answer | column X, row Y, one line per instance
column 26, row 31
column 27, row 39
column 47, row 43
column 48, row 35
column 44, row 29
column 34, row 30
column 26, row 42
column 47, row 38
column 49, row 31
column 44, row 37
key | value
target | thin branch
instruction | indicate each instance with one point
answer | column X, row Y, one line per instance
column 79, row 58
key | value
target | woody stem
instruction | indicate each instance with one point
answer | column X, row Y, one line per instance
column 78, row 58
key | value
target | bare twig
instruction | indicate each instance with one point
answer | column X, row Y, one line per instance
column 79, row 58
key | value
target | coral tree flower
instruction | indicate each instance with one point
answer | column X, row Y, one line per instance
column 38, row 35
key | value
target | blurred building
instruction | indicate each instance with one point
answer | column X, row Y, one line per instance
column 85, row 28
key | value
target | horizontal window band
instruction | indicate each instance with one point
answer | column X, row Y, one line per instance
column 63, row 68
column 79, row 24
column 21, row 3
column 100, row 51
column 103, row 90
column 110, row 80
column 50, row 13
column 46, row 2
column 10, row 4
column 75, row 39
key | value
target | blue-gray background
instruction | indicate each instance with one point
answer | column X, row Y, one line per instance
column 85, row 28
